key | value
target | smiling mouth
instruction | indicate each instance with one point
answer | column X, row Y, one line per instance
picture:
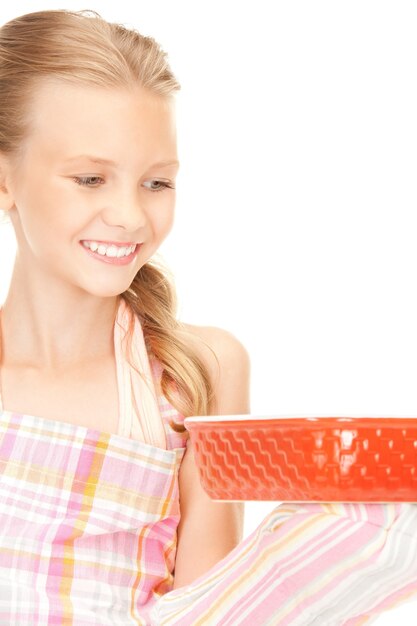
column 117, row 255
column 110, row 250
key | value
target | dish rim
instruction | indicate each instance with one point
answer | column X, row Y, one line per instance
column 200, row 419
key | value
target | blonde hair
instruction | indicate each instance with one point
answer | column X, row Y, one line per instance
column 83, row 49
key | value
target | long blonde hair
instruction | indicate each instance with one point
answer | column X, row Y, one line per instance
column 81, row 48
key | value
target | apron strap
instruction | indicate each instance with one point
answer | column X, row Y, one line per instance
column 139, row 414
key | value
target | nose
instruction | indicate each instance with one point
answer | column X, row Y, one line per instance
column 125, row 211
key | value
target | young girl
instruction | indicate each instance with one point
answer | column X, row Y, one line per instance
column 102, row 518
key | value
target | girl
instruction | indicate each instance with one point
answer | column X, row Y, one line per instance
column 103, row 518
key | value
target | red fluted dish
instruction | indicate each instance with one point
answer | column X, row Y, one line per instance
column 345, row 459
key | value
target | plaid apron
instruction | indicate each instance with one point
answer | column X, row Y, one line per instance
column 87, row 524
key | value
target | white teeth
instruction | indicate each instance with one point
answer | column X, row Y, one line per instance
column 111, row 250
column 122, row 252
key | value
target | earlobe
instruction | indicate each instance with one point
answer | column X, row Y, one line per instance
column 6, row 197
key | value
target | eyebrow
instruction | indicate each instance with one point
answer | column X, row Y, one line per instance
column 101, row 160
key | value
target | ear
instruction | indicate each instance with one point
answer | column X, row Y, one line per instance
column 6, row 194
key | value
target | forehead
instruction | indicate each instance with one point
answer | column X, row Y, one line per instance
column 66, row 120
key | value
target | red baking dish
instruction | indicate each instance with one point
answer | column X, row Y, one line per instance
column 344, row 459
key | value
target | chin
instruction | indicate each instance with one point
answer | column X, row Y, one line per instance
column 106, row 291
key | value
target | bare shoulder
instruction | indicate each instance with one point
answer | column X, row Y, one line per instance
column 212, row 338
column 228, row 362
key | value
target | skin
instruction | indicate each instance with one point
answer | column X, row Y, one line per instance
column 56, row 285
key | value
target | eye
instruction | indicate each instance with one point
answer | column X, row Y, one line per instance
column 84, row 181
column 164, row 184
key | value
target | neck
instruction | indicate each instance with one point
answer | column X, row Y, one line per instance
column 40, row 339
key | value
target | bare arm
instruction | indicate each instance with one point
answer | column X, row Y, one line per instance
column 209, row 530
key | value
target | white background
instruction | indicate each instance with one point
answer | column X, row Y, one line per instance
column 295, row 223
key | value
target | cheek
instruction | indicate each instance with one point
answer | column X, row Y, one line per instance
column 163, row 221
column 46, row 226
